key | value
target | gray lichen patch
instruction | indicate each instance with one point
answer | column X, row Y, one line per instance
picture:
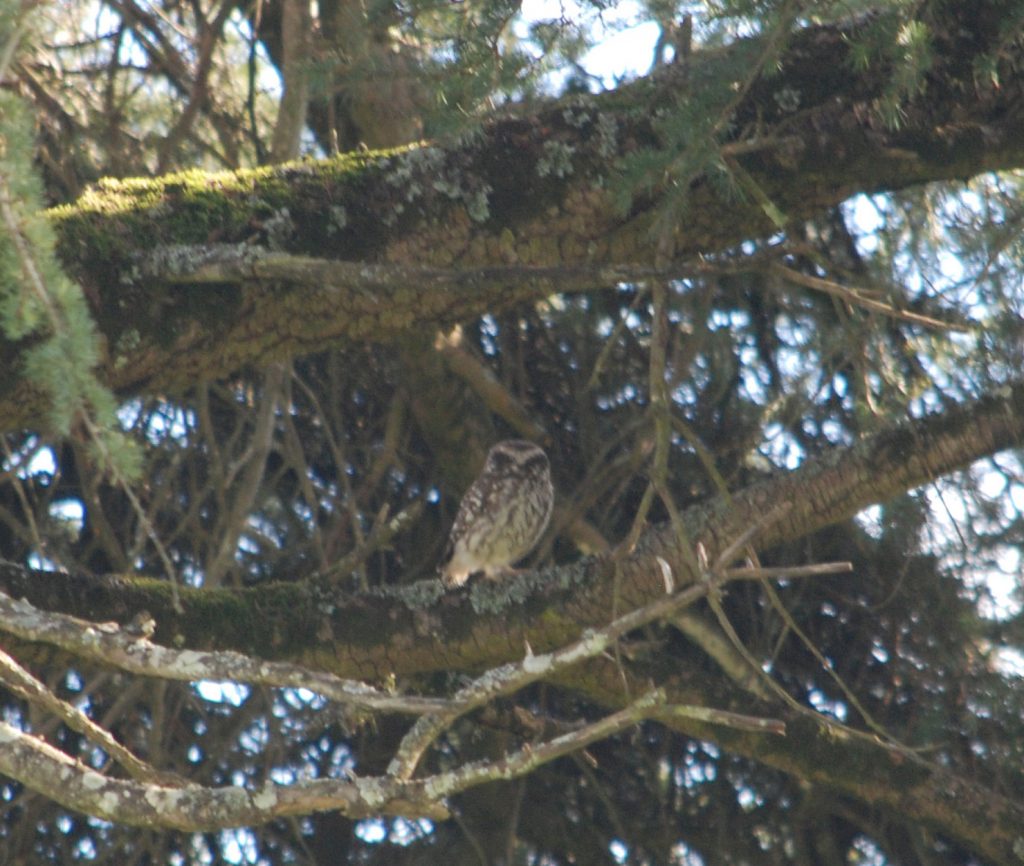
column 556, row 159
column 418, row 172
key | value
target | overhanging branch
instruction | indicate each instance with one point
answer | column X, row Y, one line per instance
column 491, row 200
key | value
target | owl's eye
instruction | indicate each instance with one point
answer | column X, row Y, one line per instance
column 536, row 464
column 500, row 461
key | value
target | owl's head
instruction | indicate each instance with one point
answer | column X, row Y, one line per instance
column 517, row 456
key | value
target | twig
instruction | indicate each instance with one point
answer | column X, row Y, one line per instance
column 485, row 384
column 613, row 339
column 709, row 637
column 133, row 651
column 514, row 676
column 245, row 476
column 856, row 297
column 111, row 466
column 789, row 700
column 384, row 528
column 785, row 571
column 735, row 547
column 738, row 721
column 530, row 757
column 14, row 476
column 819, row 657
column 25, row 685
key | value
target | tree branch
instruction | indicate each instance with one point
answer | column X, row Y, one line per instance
column 817, row 750
column 22, row 683
column 422, row 628
column 491, row 200
column 418, row 628
column 511, row 677
column 129, row 649
column 193, row 807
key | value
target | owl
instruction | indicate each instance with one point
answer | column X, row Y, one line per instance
column 503, row 514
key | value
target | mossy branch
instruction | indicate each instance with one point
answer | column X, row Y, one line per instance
column 487, row 201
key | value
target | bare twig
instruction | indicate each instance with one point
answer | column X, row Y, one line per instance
column 530, row 757
column 613, row 339
column 14, row 477
column 738, row 721
column 514, row 676
column 112, row 466
column 783, row 572
column 827, row 666
column 485, row 384
column 859, row 298
column 736, row 546
column 384, row 528
column 708, row 636
column 245, row 475
column 25, row 685
column 130, row 650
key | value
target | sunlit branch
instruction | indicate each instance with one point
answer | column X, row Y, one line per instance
column 130, row 649
column 193, row 807
column 25, row 685
column 858, row 298
column 512, row 677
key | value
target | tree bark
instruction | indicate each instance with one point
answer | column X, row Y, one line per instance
column 533, row 191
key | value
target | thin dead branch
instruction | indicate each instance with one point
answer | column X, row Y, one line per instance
column 860, row 298
column 130, row 650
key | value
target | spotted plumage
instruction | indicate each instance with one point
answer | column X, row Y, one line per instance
column 503, row 514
